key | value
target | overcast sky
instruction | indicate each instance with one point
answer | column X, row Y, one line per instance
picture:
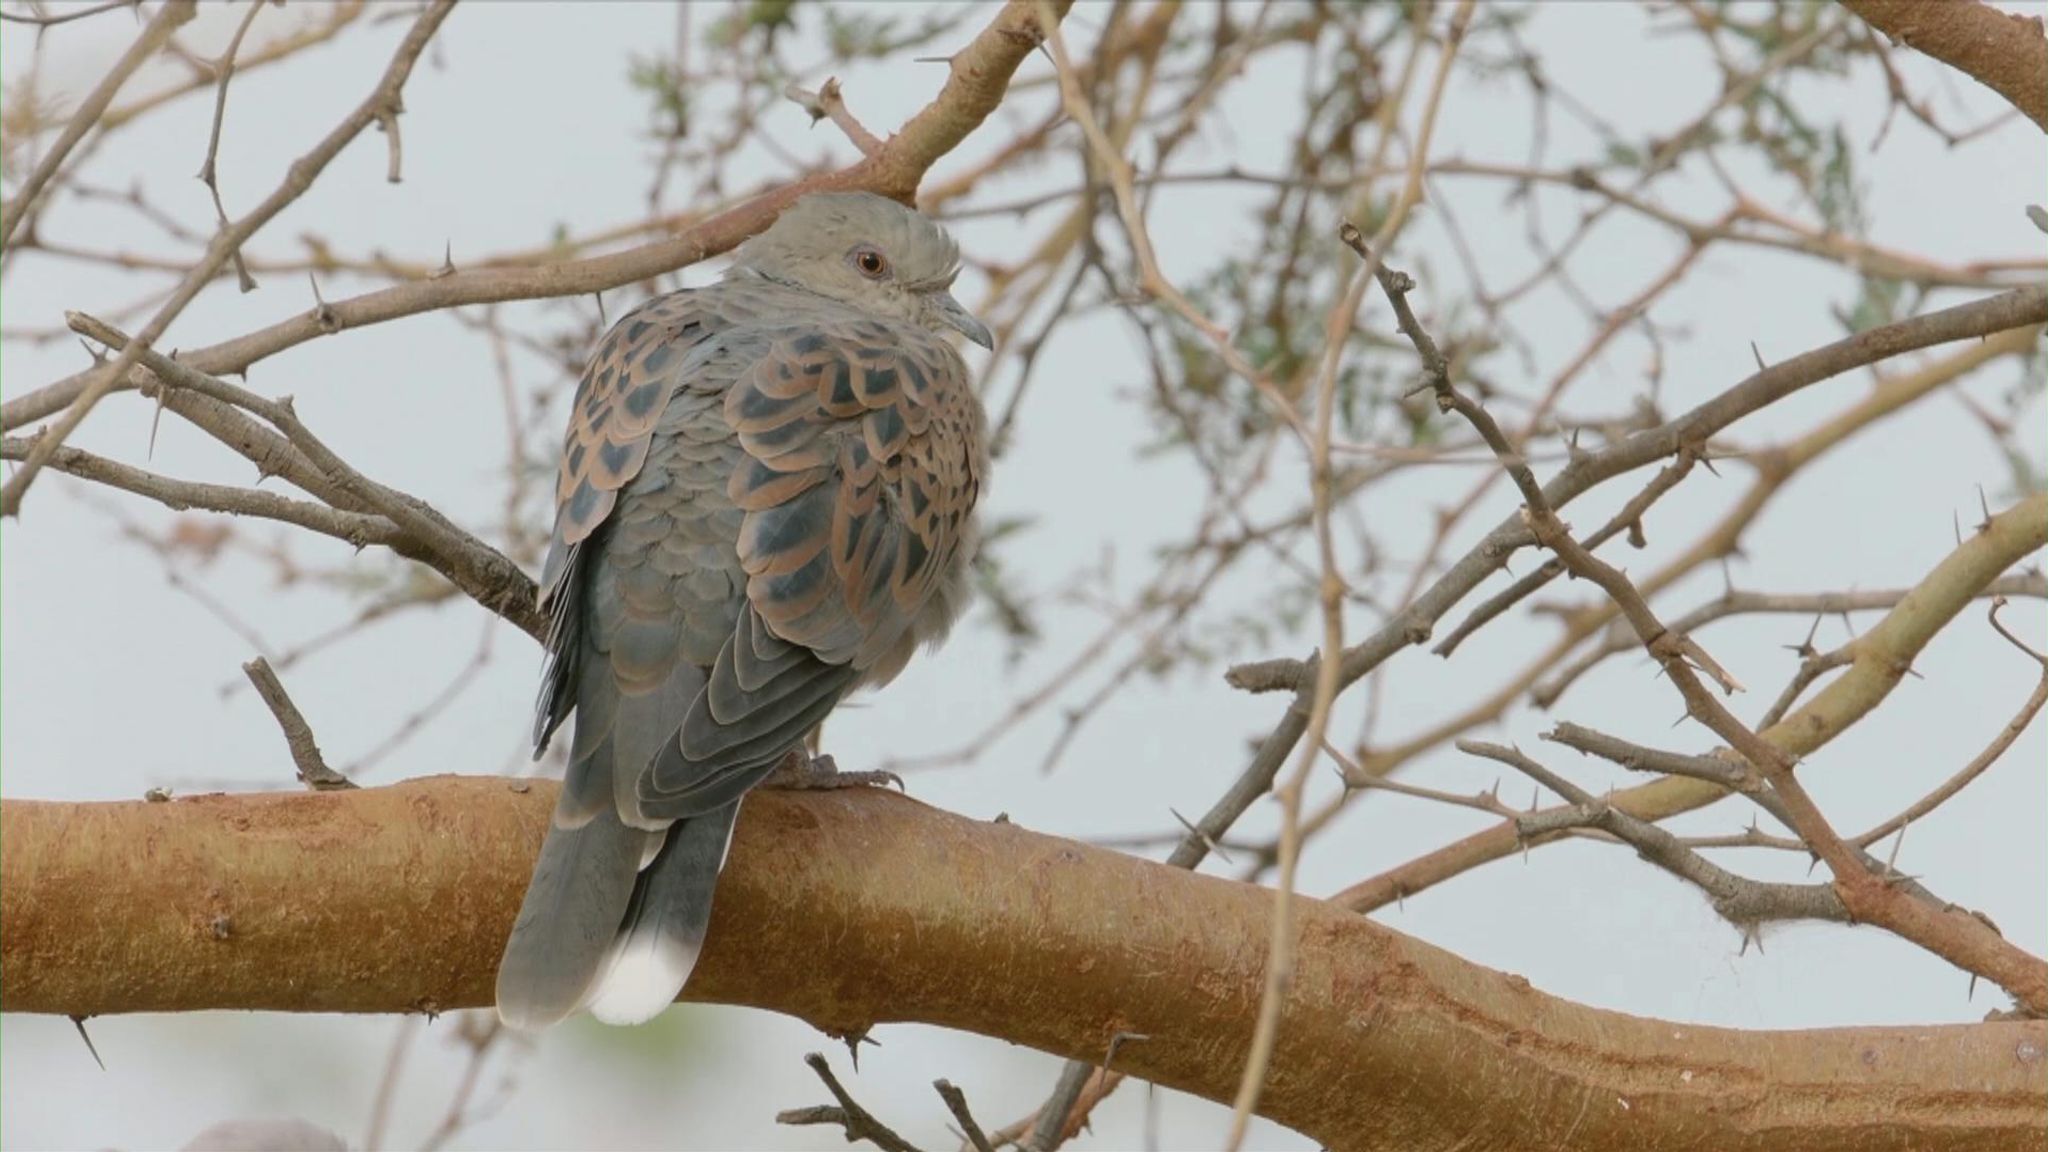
column 522, row 118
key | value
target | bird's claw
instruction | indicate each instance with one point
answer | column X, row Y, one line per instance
column 802, row 772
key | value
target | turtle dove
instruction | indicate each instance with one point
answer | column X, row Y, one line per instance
column 765, row 501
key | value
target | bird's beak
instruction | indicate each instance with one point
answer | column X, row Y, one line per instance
column 959, row 319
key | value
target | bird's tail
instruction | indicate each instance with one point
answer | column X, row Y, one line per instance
column 664, row 925
column 615, row 914
column 581, row 889
column 600, row 930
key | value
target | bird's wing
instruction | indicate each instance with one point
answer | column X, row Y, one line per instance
column 860, row 465
column 625, row 388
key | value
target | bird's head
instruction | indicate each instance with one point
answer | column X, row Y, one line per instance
column 867, row 251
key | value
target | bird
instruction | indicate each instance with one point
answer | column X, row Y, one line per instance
column 766, row 500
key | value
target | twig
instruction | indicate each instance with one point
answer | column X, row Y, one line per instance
column 154, row 36
column 356, row 529
column 1280, row 958
column 859, row 1123
column 1630, row 518
column 1117, row 170
column 298, row 179
column 40, row 21
column 207, row 175
column 971, row 93
column 1732, row 774
column 956, row 1103
column 1734, row 603
column 487, row 575
column 1742, row 902
column 1978, row 763
column 387, row 1084
column 1049, row 1130
column 298, row 735
column 480, row 1032
column 1949, row 933
column 827, row 103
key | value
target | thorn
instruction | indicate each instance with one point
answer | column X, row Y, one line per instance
column 78, row 1022
column 322, row 314
column 1760, row 365
column 156, row 420
column 1213, row 846
column 447, row 267
column 601, row 322
column 1119, row 1040
column 853, row 1041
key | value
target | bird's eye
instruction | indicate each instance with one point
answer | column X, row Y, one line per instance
column 872, row 264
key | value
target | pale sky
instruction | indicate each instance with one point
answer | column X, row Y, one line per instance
column 522, row 118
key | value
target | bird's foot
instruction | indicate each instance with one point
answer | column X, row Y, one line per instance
column 801, row 771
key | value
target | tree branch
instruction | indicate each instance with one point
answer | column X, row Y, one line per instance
column 857, row 908
column 2004, row 51
column 154, row 35
column 980, row 75
column 299, row 177
column 1878, row 660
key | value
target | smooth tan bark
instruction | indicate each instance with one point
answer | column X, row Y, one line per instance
column 857, row 908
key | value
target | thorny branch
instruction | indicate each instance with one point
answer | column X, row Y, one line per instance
column 298, row 179
column 1237, row 365
column 1956, row 936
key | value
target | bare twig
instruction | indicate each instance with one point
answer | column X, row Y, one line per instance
column 207, row 175
column 956, row 1103
column 155, row 35
column 975, row 86
column 828, row 103
column 1328, row 678
column 859, row 1123
column 1742, row 902
column 1977, row 764
column 490, row 578
column 1952, row 934
column 298, row 735
column 297, row 180
column 40, row 20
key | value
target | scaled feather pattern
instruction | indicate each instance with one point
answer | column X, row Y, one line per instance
column 765, row 501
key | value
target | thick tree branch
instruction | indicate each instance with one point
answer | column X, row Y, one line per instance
column 859, row 908
column 2004, row 51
